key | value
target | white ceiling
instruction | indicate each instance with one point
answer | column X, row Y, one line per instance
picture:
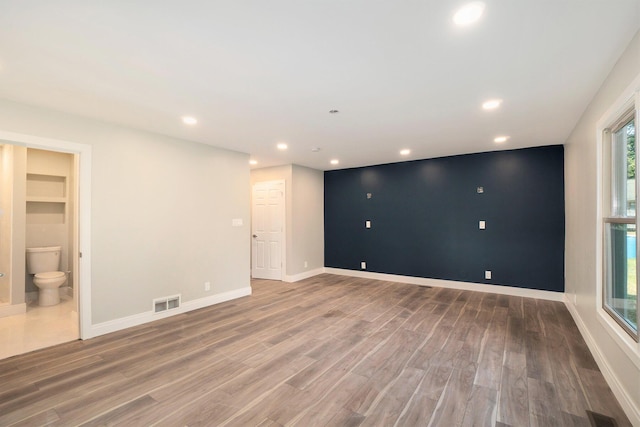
column 258, row 72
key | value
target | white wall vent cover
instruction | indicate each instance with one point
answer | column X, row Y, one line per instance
column 166, row 303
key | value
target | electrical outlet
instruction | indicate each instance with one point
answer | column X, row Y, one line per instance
column 367, row 224
column 306, row 264
column 207, row 286
column 482, row 225
column 487, row 274
column 363, row 265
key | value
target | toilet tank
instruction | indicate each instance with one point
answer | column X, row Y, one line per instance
column 41, row 260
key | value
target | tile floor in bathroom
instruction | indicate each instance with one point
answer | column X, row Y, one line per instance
column 39, row 327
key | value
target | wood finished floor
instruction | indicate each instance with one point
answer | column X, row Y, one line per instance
column 329, row 350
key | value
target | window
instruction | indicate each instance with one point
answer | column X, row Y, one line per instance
column 620, row 293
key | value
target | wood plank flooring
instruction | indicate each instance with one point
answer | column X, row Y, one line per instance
column 330, row 350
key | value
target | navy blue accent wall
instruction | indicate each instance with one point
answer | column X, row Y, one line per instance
column 425, row 215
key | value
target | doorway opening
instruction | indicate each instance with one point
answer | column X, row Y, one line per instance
column 42, row 210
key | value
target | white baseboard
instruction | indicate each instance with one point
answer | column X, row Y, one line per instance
column 12, row 309
column 438, row 283
column 150, row 316
column 304, row 275
column 630, row 408
column 215, row 299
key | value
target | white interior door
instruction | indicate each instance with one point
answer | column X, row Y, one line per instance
column 267, row 224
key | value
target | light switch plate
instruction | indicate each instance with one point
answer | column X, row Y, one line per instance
column 367, row 224
column 236, row 222
column 482, row 225
column 363, row 265
column 487, row 274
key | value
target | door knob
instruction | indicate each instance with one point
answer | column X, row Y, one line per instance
column 255, row 235
column 1, row 274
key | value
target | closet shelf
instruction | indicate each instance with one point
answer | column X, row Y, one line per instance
column 44, row 199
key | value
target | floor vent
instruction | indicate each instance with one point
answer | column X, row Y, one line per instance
column 600, row 420
column 166, row 303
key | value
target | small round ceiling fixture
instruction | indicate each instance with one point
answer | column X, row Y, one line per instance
column 334, row 161
column 468, row 14
column 500, row 139
column 253, row 162
column 282, row 146
column 316, row 149
column 188, row 120
column 491, row 104
column 405, row 152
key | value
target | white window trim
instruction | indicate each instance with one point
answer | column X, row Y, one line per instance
column 629, row 98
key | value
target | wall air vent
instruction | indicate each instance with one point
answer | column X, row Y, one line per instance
column 166, row 303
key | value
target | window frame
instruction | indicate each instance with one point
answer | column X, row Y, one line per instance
column 615, row 315
column 626, row 109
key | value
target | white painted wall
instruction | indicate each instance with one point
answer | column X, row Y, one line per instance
column 308, row 220
column 6, row 184
column 621, row 368
column 161, row 212
column 18, row 224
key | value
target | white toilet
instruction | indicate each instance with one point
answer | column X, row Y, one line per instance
column 44, row 263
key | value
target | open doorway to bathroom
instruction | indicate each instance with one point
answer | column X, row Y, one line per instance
column 38, row 208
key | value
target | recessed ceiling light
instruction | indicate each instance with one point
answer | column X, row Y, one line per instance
column 282, row 146
column 316, row 149
column 500, row 139
column 491, row 104
column 188, row 120
column 253, row 162
column 334, row 161
column 405, row 152
column 468, row 14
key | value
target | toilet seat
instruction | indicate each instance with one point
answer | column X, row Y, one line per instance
column 50, row 275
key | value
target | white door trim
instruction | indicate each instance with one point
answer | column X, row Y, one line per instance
column 84, row 212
